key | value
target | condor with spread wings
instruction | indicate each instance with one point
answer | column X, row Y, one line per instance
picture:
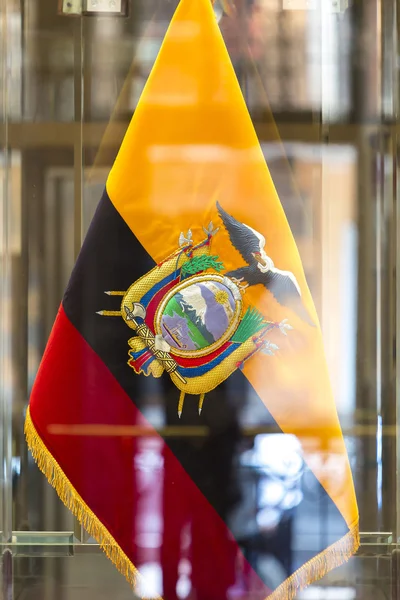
column 261, row 269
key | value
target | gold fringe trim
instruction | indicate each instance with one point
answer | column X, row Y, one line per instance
column 73, row 501
column 313, row 570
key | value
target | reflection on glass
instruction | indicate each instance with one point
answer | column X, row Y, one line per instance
column 316, row 69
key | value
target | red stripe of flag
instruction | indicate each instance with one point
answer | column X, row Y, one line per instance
column 134, row 485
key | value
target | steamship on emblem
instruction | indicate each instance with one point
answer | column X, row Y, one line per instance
column 189, row 317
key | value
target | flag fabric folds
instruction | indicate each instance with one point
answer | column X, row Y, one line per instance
column 187, row 305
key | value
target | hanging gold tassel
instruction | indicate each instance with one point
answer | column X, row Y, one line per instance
column 201, row 400
column 180, row 404
column 73, row 501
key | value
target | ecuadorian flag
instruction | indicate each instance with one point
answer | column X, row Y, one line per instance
column 187, row 307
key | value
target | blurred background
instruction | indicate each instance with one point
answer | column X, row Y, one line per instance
column 321, row 81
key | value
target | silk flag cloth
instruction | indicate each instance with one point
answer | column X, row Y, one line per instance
column 187, row 316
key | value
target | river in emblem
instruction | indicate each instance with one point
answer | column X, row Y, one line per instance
column 198, row 315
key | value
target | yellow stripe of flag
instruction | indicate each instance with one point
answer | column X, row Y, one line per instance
column 190, row 143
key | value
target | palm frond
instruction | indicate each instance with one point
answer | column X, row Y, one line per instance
column 252, row 323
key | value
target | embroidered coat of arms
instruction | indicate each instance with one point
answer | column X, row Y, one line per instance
column 189, row 315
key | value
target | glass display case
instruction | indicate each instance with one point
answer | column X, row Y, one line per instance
column 320, row 80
